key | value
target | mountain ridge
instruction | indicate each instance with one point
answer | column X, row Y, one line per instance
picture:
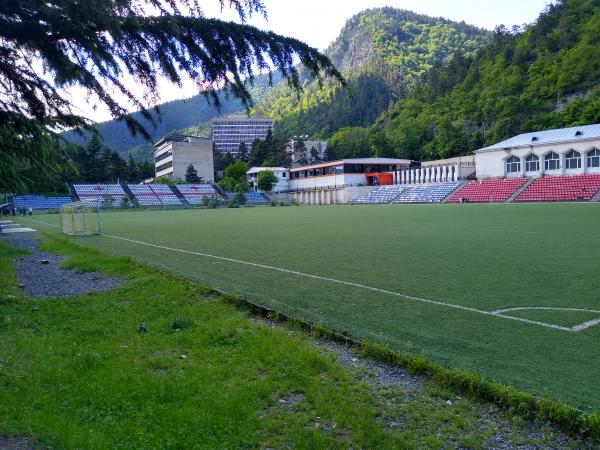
column 375, row 88
column 383, row 52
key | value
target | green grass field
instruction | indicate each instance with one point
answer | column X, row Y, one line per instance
column 379, row 268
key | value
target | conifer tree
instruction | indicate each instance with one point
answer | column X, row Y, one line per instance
column 191, row 175
column 243, row 154
column 49, row 45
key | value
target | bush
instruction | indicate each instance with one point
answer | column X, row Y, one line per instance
column 211, row 201
column 124, row 202
column 181, row 323
column 237, row 200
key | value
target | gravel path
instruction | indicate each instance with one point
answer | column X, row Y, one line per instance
column 40, row 274
column 18, row 443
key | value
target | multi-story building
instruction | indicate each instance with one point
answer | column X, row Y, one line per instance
column 173, row 154
column 230, row 131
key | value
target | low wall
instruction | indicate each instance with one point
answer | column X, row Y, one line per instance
column 339, row 196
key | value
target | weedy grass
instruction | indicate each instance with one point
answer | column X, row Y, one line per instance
column 487, row 257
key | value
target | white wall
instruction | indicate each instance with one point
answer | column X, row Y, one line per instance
column 197, row 153
column 340, row 179
column 493, row 164
column 330, row 196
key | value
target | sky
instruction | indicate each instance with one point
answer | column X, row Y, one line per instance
column 318, row 22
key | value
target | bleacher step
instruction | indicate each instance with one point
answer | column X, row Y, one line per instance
column 518, row 192
column 130, row 194
column 179, row 195
column 459, row 187
column 596, row 197
column 219, row 191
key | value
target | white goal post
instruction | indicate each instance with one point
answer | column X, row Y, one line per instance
column 80, row 219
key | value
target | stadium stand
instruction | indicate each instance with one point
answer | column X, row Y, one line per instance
column 495, row 190
column 39, row 201
column 96, row 193
column 165, row 194
column 144, row 195
column 561, row 188
column 255, row 198
column 195, row 193
column 383, row 194
column 427, row 193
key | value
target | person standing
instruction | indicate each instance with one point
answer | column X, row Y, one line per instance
column 30, row 210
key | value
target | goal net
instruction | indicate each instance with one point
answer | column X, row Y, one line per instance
column 79, row 219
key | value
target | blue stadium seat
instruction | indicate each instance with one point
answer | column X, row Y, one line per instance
column 255, row 198
column 154, row 194
column 428, row 193
column 195, row 193
column 383, row 194
column 40, row 201
column 95, row 194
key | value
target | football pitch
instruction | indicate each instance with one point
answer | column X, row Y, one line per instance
column 510, row 292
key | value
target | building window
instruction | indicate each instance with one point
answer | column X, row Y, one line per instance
column 164, row 166
column 513, row 165
column 593, row 158
column 283, row 175
column 573, row 160
column 552, row 161
column 163, row 156
column 532, row 163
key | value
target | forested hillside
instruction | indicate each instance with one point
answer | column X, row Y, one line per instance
column 382, row 53
column 190, row 115
column 545, row 76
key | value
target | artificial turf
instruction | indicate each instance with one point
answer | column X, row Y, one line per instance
column 76, row 373
column 487, row 257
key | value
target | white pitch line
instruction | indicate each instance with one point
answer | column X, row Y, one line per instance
column 549, row 308
column 575, row 328
column 584, row 325
column 334, row 280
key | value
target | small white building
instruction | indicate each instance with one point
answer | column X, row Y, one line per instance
column 565, row 151
column 347, row 173
column 282, row 173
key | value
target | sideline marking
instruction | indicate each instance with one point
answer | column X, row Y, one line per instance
column 497, row 313
column 579, row 327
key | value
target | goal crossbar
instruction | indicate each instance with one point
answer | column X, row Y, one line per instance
column 80, row 218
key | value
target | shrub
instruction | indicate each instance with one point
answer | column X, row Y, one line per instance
column 181, row 323
column 124, row 202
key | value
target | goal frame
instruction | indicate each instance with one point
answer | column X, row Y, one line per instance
column 80, row 219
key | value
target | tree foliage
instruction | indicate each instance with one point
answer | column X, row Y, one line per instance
column 383, row 54
column 235, row 177
column 269, row 152
column 97, row 163
column 545, row 76
column 191, row 175
column 266, row 180
column 49, row 45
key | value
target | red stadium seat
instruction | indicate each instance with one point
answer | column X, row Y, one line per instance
column 484, row 191
column 562, row 188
